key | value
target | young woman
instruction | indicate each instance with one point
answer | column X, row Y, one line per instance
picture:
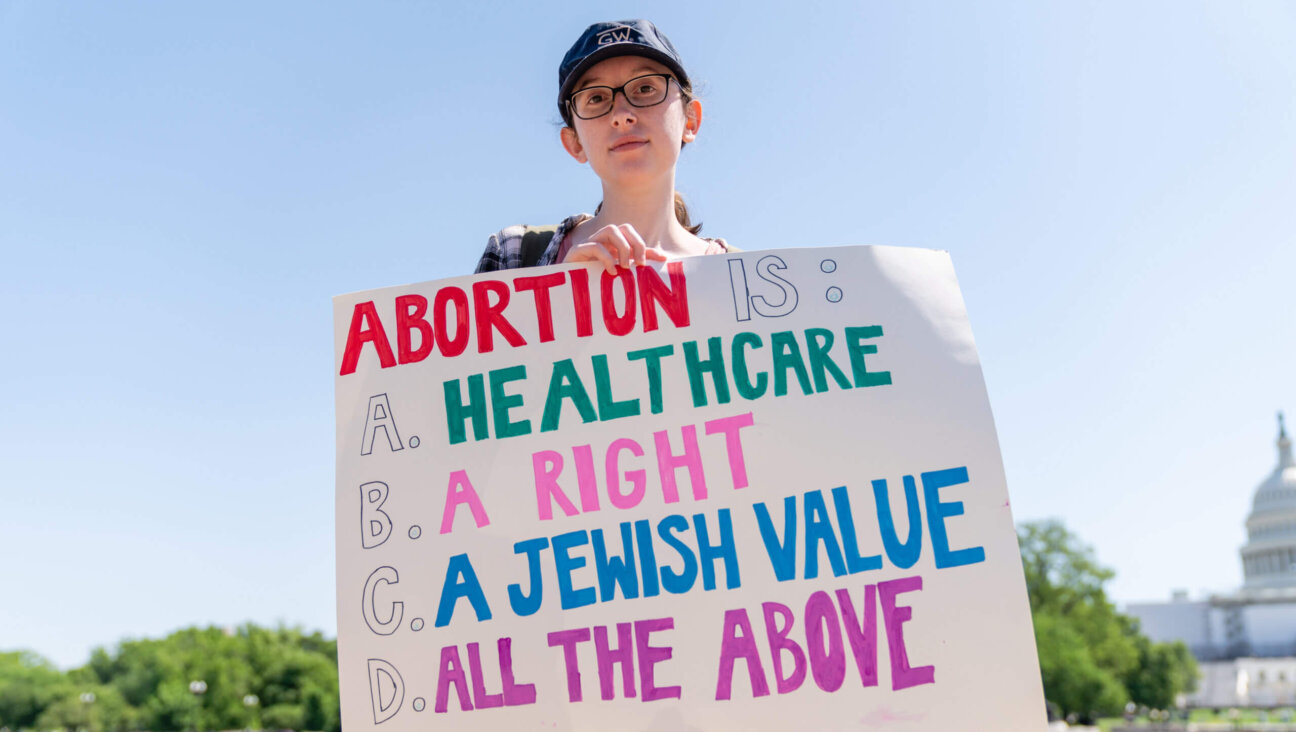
column 629, row 109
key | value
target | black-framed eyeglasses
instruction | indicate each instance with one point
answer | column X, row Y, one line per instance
column 642, row 91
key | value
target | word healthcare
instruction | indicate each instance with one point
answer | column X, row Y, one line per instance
column 744, row 367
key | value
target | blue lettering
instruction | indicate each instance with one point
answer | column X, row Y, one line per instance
column 850, row 540
column 707, row 552
column 819, row 530
column 524, row 605
column 782, row 555
column 565, row 564
column 461, row 581
column 901, row 555
column 614, row 571
column 937, row 512
column 677, row 583
column 647, row 559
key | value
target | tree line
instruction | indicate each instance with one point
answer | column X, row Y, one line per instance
column 193, row 679
column 1093, row 661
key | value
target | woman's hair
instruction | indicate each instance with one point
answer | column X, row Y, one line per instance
column 682, row 215
column 681, row 208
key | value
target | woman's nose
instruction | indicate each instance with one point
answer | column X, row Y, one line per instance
column 623, row 112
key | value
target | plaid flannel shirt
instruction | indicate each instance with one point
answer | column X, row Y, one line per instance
column 504, row 248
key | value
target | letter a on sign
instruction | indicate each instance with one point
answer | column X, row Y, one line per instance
column 379, row 417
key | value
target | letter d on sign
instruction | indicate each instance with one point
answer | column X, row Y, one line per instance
column 386, row 689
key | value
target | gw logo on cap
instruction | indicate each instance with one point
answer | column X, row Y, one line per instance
column 619, row 34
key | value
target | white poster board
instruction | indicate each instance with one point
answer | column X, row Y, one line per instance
column 745, row 492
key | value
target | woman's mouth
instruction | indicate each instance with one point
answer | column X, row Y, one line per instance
column 628, row 144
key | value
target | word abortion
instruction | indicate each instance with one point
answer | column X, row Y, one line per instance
column 642, row 293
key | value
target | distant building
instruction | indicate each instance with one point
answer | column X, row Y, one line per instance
column 1245, row 642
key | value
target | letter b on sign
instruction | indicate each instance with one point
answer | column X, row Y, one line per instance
column 375, row 524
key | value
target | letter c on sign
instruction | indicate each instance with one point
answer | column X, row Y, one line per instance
column 381, row 576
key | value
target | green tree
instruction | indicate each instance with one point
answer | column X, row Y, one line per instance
column 1092, row 659
column 1072, row 678
column 281, row 678
column 1163, row 670
column 289, row 676
column 313, row 714
column 95, row 709
column 28, row 685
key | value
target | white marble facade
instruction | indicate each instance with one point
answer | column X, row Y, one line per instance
column 1245, row 641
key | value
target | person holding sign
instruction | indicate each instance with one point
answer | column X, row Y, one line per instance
column 628, row 108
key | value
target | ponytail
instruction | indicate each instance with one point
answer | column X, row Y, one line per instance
column 682, row 215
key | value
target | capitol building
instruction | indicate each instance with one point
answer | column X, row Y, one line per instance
column 1245, row 641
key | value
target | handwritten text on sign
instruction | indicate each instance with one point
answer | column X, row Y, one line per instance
column 741, row 491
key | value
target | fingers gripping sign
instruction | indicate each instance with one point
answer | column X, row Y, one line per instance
column 613, row 245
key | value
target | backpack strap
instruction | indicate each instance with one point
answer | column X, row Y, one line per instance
column 534, row 242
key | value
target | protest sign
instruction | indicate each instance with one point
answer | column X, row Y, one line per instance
column 729, row 492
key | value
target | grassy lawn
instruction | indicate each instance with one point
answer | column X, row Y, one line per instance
column 1209, row 715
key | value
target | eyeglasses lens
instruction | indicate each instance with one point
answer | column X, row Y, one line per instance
column 642, row 91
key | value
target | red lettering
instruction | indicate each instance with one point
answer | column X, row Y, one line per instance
column 581, row 303
column 539, row 288
column 406, row 322
column 623, row 323
column 366, row 328
column 451, row 347
column 490, row 316
column 673, row 300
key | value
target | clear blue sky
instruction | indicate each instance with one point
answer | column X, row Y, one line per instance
column 184, row 186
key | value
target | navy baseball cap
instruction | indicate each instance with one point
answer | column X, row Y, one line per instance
column 602, row 41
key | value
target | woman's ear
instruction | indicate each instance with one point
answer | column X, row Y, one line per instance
column 692, row 120
column 572, row 144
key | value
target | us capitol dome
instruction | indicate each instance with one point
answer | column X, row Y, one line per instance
column 1269, row 556
column 1244, row 641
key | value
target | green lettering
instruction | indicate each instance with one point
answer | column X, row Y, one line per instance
column 652, row 361
column 857, row 350
column 713, row 365
column 502, row 402
column 565, row 383
column 818, row 343
column 457, row 413
column 607, row 407
column 787, row 355
column 742, row 377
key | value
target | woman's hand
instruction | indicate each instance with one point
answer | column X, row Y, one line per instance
column 613, row 245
